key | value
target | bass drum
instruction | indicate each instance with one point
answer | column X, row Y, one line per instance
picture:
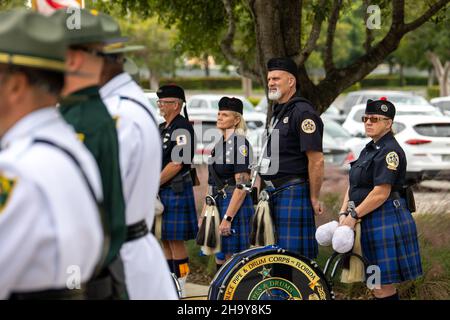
column 270, row 273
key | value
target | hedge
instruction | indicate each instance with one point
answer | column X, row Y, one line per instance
column 433, row 92
column 220, row 83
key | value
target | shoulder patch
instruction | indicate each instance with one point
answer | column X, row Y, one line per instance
column 243, row 150
column 308, row 126
column 392, row 160
column 80, row 136
column 6, row 189
column 116, row 121
column 181, row 140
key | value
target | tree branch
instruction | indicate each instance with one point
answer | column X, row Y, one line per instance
column 369, row 34
column 340, row 79
column 313, row 37
column 426, row 16
column 227, row 45
column 334, row 17
column 398, row 13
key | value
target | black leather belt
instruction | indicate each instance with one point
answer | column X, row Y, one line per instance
column 183, row 178
column 395, row 195
column 137, row 230
column 109, row 284
column 54, row 294
column 277, row 183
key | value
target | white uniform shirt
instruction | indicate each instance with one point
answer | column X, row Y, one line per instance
column 50, row 227
column 146, row 270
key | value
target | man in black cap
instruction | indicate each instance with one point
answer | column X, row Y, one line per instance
column 293, row 174
column 179, row 220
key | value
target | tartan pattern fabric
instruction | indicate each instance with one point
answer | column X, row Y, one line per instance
column 241, row 223
column 179, row 220
column 294, row 219
column 389, row 240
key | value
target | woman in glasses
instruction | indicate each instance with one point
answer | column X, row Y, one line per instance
column 229, row 175
column 377, row 178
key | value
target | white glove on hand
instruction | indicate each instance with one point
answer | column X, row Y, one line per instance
column 324, row 233
column 343, row 239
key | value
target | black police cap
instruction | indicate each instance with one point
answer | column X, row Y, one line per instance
column 381, row 107
column 171, row 91
column 284, row 64
column 231, row 104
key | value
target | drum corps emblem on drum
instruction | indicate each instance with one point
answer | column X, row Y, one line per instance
column 270, row 273
column 308, row 126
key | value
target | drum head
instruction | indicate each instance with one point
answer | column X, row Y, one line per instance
column 270, row 273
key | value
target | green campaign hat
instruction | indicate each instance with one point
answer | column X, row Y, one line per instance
column 30, row 39
column 115, row 41
column 81, row 26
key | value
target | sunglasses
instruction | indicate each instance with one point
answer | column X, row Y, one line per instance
column 166, row 102
column 372, row 119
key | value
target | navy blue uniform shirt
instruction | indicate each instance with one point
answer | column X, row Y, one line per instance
column 230, row 157
column 300, row 130
column 383, row 162
column 179, row 134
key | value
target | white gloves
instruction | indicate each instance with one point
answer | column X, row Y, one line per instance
column 341, row 237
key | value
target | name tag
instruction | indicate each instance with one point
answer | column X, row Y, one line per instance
column 265, row 164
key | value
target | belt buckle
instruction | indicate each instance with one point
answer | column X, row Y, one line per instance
column 264, row 196
column 269, row 184
column 396, row 203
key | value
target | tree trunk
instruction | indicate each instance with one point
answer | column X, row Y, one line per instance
column 153, row 81
column 430, row 77
column 401, row 75
column 442, row 73
column 206, row 64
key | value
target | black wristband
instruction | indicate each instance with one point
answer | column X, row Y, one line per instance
column 343, row 214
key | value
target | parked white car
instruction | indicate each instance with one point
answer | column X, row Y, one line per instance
column 397, row 97
column 152, row 97
column 208, row 104
column 355, row 126
column 443, row 103
column 342, row 138
column 426, row 142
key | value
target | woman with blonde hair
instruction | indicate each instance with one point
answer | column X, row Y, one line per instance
column 229, row 174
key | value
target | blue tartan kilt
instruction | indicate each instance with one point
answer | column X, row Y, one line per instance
column 240, row 240
column 294, row 220
column 179, row 220
column 389, row 240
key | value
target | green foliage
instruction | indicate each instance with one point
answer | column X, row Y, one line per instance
column 207, row 83
column 10, row 4
column 433, row 92
column 254, row 100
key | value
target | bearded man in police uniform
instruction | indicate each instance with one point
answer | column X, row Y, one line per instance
column 294, row 174
column 179, row 220
column 50, row 228
column 146, row 272
column 83, row 108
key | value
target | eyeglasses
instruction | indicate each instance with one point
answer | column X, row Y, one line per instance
column 372, row 119
column 166, row 102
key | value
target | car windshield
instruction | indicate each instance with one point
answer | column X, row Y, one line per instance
column 247, row 105
column 401, row 99
column 335, row 130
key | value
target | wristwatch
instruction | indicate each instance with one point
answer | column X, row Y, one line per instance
column 344, row 213
column 228, row 218
column 353, row 213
